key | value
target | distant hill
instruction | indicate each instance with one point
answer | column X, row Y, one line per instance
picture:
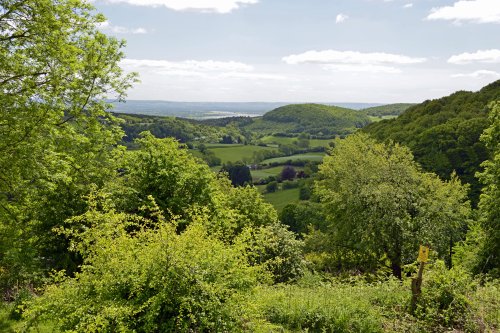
column 387, row 110
column 315, row 119
column 209, row 110
column 444, row 133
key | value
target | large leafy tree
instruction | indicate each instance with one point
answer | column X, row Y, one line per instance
column 56, row 137
column 380, row 205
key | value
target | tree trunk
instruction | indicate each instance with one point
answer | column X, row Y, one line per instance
column 396, row 268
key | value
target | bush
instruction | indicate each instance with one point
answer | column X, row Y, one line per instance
column 275, row 248
column 286, row 185
column 444, row 301
column 151, row 280
column 272, row 187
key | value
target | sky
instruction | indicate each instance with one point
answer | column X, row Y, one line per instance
column 366, row 51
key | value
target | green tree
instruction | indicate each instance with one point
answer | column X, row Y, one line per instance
column 380, row 205
column 271, row 187
column 490, row 197
column 239, row 173
column 288, row 173
column 56, row 136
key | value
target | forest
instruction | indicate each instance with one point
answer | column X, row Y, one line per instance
column 309, row 219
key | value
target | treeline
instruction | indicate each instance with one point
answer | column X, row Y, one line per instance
column 443, row 134
column 184, row 130
column 387, row 110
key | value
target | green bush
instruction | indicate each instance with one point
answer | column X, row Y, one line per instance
column 445, row 299
column 148, row 280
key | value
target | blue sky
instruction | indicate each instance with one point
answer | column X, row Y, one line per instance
column 306, row 50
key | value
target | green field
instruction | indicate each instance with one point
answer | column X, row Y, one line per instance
column 315, row 157
column 281, row 198
column 274, row 171
column 233, row 153
column 281, row 140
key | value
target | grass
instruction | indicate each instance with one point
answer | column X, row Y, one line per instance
column 281, row 198
column 234, row 153
column 270, row 139
column 332, row 307
column 274, row 171
column 8, row 325
column 318, row 157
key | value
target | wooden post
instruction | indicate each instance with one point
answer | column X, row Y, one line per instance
column 416, row 283
column 416, row 287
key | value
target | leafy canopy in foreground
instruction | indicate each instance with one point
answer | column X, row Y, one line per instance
column 56, row 137
column 379, row 204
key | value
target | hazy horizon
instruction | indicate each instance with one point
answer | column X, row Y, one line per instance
column 386, row 51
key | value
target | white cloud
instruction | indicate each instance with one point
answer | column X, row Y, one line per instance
column 185, row 66
column 478, row 74
column 350, row 57
column 482, row 56
column 362, row 69
column 478, row 11
column 408, row 5
column 198, row 69
column 116, row 29
column 252, row 76
column 211, row 6
column 341, row 18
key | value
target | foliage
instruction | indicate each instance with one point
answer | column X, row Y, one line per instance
column 271, row 187
column 378, row 204
column 288, row 173
column 490, row 197
column 56, row 136
column 445, row 299
column 238, row 173
column 302, row 216
column 276, row 249
column 152, row 279
column 387, row 110
column 163, row 169
column 443, row 134
column 184, row 130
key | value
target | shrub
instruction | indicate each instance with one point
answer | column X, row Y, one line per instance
column 149, row 280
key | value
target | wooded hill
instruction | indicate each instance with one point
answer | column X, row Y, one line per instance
column 444, row 133
column 314, row 119
column 387, row 110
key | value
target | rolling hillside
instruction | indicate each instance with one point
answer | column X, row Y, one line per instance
column 443, row 134
column 315, row 119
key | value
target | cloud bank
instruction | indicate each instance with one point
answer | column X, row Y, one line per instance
column 197, row 68
column 353, row 61
column 482, row 56
column 478, row 74
column 209, row 6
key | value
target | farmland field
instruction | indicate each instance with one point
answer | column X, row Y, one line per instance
column 264, row 173
column 270, row 139
column 233, row 153
column 315, row 157
column 281, row 198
